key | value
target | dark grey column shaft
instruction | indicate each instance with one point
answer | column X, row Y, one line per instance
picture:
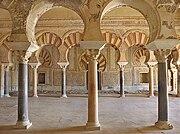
column 23, row 93
column 64, row 82
column 162, row 92
column 6, row 83
column 122, row 82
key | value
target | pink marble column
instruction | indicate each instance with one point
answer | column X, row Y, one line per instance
column 92, row 52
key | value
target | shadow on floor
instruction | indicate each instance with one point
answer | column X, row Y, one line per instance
column 7, row 127
column 15, row 130
column 148, row 129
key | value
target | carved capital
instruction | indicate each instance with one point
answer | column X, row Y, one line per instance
column 92, row 54
column 122, row 65
column 151, row 64
column 63, row 65
column 22, row 56
column 35, row 65
column 161, row 55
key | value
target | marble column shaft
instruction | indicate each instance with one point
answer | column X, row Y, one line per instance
column 35, row 82
column 6, row 82
column 122, row 94
column 151, row 81
column 163, row 106
column 23, row 118
column 178, row 83
column 2, row 80
column 162, row 92
column 63, row 66
column 64, row 82
column 22, row 93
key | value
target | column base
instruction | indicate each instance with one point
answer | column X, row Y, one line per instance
column 7, row 95
column 151, row 96
column 64, row 96
column 122, row 96
column 91, row 126
column 35, row 96
column 163, row 125
column 23, row 124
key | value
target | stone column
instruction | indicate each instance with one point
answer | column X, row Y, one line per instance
column 151, row 78
column 92, row 52
column 163, row 107
column 174, row 81
column 23, row 119
column 6, row 81
column 178, row 81
column 63, row 67
column 35, row 67
column 93, row 121
column 2, row 80
column 121, row 66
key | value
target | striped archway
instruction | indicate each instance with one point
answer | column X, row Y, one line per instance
column 47, row 38
column 69, row 41
column 101, row 62
column 45, row 58
column 140, row 56
column 135, row 38
column 113, row 40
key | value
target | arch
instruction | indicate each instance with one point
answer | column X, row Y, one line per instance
column 45, row 58
column 114, row 40
column 101, row 61
column 69, row 41
column 140, row 53
column 147, row 10
column 41, row 7
column 46, row 38
column 49, row 38
column 135, row 38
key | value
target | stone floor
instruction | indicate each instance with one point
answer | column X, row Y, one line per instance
column 134, row 114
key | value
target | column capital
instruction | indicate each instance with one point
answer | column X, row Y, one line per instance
column 22, row 56
column 7, row 66
column 63, row 65
column 92, row 54
column 122, row 64
column 151, row 64
column 161, row 55
column 34, row 65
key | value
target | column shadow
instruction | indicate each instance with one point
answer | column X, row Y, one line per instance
column 150, row 129
column 7, row 127
column 67, row 129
